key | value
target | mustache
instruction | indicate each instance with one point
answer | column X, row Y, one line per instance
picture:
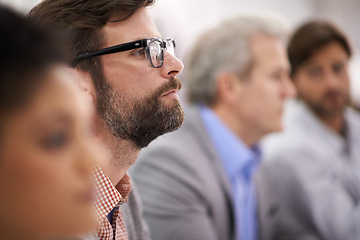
column 332, row 94
column 174, row 83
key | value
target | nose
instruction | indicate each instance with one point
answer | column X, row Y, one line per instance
column 331, row 79
column 289, row 90
column 172, row 66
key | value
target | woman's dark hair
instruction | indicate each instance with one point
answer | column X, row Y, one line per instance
column 311, row 37
column 26, row 53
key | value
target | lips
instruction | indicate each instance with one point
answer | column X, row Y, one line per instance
column 170, row 87
column 169, row 92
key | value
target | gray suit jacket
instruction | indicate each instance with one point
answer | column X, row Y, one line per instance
column 132, row 212
column 316, row 174
column 185, row 192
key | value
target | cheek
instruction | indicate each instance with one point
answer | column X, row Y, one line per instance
column 251, row 105
column 307, row 88
column 267, row 96
column 133, row 81
column 33, row 184
column 345, row 83
column 266, row 106
column 51, row 176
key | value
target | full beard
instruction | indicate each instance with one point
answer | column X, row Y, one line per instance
column 141, row 121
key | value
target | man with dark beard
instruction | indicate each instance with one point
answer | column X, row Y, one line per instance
column 129, row 73
column 314, row 165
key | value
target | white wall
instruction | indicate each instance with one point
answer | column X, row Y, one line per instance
column 186, row 19
column 23, row 6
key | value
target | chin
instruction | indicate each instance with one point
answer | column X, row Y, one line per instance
column 276, row 128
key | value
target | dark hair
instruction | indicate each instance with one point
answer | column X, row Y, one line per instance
column 82, row 20
column 309, row 38
column 26, row 53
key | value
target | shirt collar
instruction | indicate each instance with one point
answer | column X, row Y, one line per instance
column 332, row 139
column 109, row 196
column 235, row 155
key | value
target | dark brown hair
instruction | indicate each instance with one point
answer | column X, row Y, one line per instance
column 26, row 55
column 78, row 23
column 309, row 38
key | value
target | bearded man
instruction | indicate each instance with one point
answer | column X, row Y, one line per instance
column 129, row 72
column 314, row 166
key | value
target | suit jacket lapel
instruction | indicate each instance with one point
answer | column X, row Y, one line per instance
column 195, row 123
column 268, row 207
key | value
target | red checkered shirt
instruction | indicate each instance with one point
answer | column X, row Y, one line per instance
column 107, row 198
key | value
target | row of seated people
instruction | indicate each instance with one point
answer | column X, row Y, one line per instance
column 85, row 85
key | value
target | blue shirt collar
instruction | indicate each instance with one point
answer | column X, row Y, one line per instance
column 236, row 157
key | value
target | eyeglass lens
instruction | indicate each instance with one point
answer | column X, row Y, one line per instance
column 156, row 53
column 170, row 47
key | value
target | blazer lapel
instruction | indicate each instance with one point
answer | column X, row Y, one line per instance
column 268, row 206
column 195, row 123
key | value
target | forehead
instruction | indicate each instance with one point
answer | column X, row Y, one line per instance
column 138, row 26
column 58, row 95
column 328, row 53
column 268, row 50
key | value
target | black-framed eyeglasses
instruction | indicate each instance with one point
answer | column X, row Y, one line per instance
column 153, row 47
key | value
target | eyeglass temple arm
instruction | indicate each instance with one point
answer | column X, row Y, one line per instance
column 172, row 40
column 110, row 50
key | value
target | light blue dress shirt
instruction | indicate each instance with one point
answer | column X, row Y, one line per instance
column 239, row 163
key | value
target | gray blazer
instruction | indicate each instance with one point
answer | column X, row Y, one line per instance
column 316, row 174
column 185, row 192
column 132, row 213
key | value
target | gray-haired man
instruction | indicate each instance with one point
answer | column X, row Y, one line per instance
column 197, row 183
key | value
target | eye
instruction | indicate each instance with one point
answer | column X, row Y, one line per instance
column 276, row 76
column 315, row 72
column 338, row 67
column 55, row 140
column 279, row 75
column 140, row 52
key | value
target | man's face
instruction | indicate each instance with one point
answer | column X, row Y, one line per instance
column 267, row 86
column 141, row 102
column 323, row 81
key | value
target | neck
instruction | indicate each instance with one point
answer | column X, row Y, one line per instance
column 247, row 134
column 120, row 155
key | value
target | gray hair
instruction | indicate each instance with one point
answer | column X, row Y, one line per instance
column 226, row 48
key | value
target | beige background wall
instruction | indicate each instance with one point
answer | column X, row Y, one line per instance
column 185, row 19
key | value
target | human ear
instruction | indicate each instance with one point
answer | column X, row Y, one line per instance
column 84, row 82
column 228, row 87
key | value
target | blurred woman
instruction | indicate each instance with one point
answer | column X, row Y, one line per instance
column 46, row 153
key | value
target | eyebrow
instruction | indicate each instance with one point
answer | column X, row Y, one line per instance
column 134, row 40
column 56, row 117
column 141, row 38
